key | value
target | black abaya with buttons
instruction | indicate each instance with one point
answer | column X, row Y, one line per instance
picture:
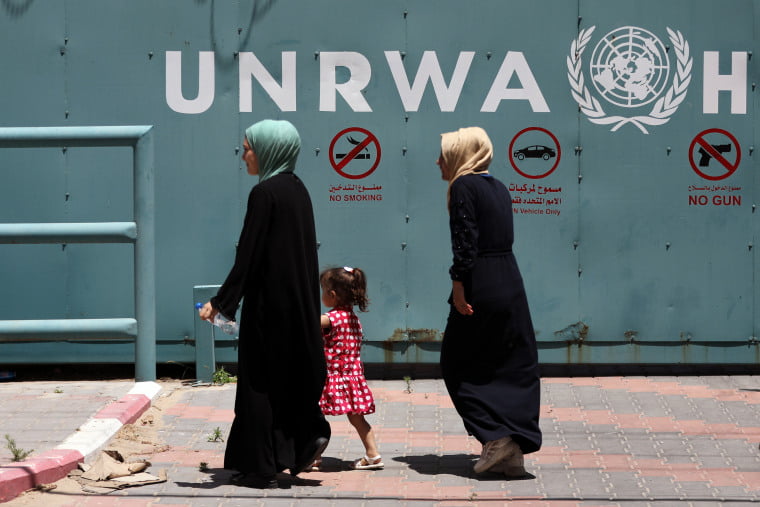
column 489, row 359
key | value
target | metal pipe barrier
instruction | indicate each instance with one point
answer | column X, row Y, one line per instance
column 141, row 232
column 206, row 336
column 63, row 329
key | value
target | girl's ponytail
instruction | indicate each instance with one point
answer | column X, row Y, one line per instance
column 359, row 289
column 349, row 284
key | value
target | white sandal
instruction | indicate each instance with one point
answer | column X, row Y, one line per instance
column 367, row 463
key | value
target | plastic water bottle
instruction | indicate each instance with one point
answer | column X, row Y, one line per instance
column 228, row 326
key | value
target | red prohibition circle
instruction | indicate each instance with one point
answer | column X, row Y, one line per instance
column 556, row 162
column 731, row 168
column 338, row 166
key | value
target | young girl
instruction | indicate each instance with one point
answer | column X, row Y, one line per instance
column 346, row 390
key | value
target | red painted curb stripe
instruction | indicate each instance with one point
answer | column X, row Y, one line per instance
column 53, row 465
column 46, row 468
column 127, row 409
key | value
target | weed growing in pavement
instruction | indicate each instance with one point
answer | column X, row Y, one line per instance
column 203, row 467
column 408, row 381
column 58, row 390
column 221, row 377
column 18, row 453
column 216, row 435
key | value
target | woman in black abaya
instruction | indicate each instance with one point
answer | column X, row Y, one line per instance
column 281, row 364
column 489, row 359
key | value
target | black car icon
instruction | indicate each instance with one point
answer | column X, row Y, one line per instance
column 536, row 151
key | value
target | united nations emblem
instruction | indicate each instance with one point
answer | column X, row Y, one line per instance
column 630, row 68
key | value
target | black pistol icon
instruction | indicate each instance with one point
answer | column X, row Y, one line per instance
column 358, row 155
column 720, row 148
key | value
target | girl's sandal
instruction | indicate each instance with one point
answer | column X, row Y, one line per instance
column 367, row 463
column 314, row 466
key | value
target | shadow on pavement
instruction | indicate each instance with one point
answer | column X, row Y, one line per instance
column 221, row 477
column 452, row 464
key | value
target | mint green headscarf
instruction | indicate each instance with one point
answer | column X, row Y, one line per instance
column 276, row 144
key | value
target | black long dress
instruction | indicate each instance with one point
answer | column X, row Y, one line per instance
column 281, row 362
column 489, row 359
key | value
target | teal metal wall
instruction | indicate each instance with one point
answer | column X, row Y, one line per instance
column 632, row 250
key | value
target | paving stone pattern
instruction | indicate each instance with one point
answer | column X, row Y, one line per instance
column 608, row 441
column 40, row 415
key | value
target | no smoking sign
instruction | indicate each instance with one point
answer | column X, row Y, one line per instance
column 355, row 153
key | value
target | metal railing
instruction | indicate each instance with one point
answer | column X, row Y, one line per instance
column 141, row 232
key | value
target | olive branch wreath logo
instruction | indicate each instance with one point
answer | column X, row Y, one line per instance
column 662, row 110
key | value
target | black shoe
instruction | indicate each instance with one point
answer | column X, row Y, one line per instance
column 312, row 452
column 252, row 480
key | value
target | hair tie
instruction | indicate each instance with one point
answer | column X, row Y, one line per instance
column 348, row 269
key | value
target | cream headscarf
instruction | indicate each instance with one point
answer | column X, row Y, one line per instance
column 466, row 151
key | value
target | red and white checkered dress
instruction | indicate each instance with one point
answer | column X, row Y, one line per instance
column 346, row 390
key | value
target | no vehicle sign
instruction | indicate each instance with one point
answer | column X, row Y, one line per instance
column 715, row 154
column 355, row 153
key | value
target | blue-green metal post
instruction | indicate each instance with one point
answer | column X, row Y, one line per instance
column 140, row 138
column 145, row 262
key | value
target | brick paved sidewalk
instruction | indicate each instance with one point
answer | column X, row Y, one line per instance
column 623, row 441
column 39, row 415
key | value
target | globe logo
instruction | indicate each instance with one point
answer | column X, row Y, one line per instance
column 630, row 67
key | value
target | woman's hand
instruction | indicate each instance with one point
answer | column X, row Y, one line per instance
column 207, row 312
column 460, row 303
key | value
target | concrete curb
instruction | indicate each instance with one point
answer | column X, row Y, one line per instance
column 93, row 435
